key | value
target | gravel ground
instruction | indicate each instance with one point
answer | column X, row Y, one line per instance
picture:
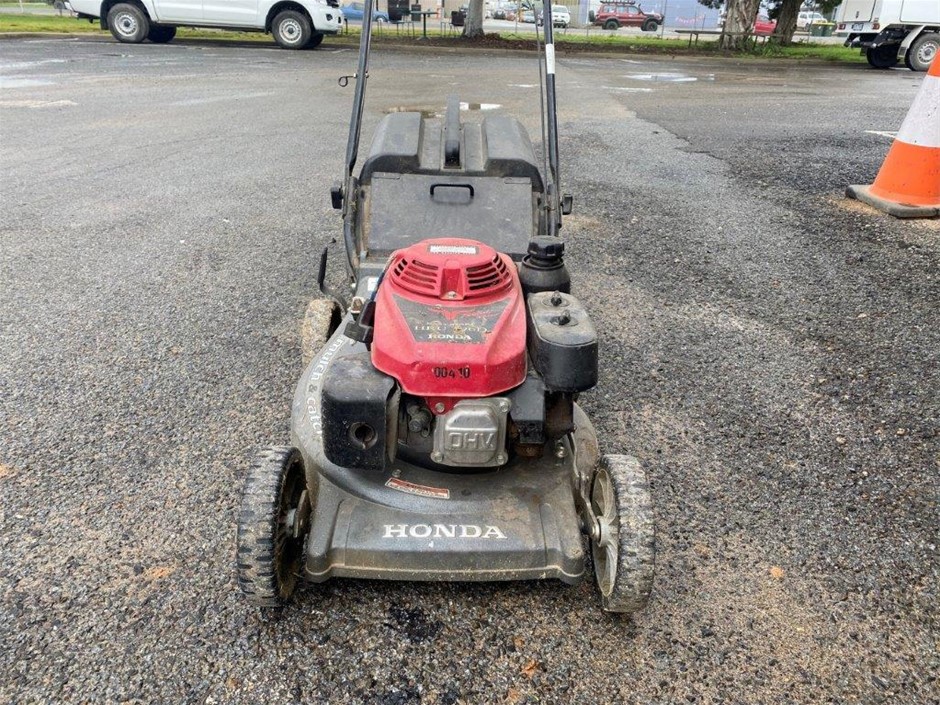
column 770, row 352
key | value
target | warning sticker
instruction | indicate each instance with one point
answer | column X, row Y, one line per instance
column 420, row 490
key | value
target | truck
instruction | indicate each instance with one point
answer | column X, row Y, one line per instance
column 295, row 24
column 892, row 31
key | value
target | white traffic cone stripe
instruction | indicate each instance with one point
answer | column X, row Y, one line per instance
column 921, row 127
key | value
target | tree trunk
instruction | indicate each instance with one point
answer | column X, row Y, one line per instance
column 738, row 23
column 786, row 21
column 473, row 27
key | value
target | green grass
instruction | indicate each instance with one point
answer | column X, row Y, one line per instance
column 45, row 23
column 573, row 41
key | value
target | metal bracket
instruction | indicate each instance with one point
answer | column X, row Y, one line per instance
column 343, row 81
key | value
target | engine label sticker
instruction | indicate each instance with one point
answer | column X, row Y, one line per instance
column 450, row 324
column 420, row 490
column 452, row 249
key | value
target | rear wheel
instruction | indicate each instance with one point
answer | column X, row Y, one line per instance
column 611, row 24
column 272, row 525
column 622, row 534
column 922, row 52
column 128, row 23
column 882, row 57
column 161, row 35
column 649, row 26
column 291, row 29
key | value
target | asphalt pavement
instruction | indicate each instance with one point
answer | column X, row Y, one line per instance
column 769, row 351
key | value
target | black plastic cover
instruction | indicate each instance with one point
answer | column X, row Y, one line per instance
column 355, row 420
column 562, row 341
column 499, row 146
column 528, row 410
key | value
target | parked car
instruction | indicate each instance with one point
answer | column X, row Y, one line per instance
column 528, row 17
column 764, row 26
column 297, row 24
column 355, row 11
column 805, row 19
column 487, row 11
column 617, row 15
column 560, row 16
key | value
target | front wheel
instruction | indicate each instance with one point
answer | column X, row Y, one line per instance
column 623, row 542
column 128, row 23
column 161, row 35
column 922, row 52
column 272, row 526
column 611, row 24
column 882, row 57
column 316, row 39
column 291, row 29
column 649, row 26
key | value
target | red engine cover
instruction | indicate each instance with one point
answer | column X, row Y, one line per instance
column 450, row 321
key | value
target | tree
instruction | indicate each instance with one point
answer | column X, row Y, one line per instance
column 739, row 19
column 785, row 13
column 473, row 27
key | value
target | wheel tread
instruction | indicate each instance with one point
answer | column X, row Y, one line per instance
column 636, row 555
column 255, row 552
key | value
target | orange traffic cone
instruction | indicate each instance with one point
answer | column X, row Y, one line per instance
column 908, row 185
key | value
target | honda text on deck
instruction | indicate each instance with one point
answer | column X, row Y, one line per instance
column 295, row 24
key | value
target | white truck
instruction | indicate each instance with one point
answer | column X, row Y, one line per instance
column 295, row 24
column 889, row 31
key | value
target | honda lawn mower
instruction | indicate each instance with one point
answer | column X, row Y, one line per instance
column 435, row 431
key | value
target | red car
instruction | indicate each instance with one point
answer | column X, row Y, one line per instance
column 613, row 15
column 764, row 26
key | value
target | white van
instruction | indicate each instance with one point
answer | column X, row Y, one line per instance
column 295, row 24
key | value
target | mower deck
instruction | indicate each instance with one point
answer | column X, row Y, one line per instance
column 413, row 523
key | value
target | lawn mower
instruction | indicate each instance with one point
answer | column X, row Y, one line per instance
column 435, row 430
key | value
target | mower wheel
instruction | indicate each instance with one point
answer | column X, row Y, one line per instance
column 622, row 539
column 272, row 526
column 321, row 319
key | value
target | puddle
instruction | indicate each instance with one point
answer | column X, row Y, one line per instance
column 13, row 65
column 662, row 77
column 622, row 89
column 889, row 134
column 37, row 103
column 23, row 82
column 480, row 106
column 523, row 85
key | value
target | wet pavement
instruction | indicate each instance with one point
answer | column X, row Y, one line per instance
column 769, row 351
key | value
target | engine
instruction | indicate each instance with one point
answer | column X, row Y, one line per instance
column 465, row 369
